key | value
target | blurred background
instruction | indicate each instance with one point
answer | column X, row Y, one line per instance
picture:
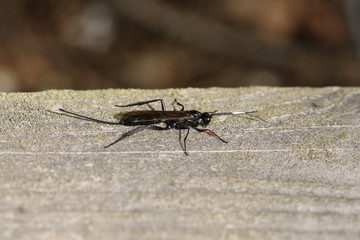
column 83, row 44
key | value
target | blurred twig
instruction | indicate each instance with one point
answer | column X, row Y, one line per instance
column 353, row 14
column 215, row 37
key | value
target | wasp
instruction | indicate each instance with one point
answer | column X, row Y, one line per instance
column 176, row 119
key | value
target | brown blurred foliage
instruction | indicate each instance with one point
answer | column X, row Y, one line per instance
column 175, row 43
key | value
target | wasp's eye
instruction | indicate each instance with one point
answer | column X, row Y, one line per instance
column 206, row 121
column 206, row 118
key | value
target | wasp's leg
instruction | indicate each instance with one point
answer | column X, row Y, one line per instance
column 187, row 134
column 184, row 146
column 210, row 132
column 145, row 102
column 129, row 133
column 179, row 104
column 136, row 130
column 82, row 117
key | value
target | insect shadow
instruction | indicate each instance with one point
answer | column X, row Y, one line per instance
column 177, row 119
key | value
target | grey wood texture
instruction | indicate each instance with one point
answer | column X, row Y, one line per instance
column 295, row 176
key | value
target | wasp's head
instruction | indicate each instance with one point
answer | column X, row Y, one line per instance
column 205, row 118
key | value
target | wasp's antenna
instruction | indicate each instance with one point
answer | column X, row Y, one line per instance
column 87, row 118
column 238, row 113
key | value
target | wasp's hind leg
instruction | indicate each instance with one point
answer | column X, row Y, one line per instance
column 145, row 102
column 82, row 117
column 136, row 130
column 127, row 134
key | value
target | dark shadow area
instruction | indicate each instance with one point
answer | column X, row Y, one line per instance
column 179, row 43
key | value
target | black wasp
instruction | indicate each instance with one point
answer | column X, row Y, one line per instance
column 147, row 119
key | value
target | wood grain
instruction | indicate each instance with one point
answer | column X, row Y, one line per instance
column 294, row 177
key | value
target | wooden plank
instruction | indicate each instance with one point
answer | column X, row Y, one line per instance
column 294, row 176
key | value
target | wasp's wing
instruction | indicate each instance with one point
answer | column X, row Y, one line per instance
column 150, row 117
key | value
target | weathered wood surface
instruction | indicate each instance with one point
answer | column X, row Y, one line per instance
column 297, row 176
